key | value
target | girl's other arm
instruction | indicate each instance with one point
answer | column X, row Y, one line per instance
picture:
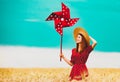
column 66, row 60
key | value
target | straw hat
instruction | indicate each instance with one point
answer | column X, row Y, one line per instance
column 82, row 31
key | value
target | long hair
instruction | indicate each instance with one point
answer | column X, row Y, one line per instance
column 83, row 42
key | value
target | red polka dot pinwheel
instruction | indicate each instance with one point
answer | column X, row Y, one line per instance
column 62, row 19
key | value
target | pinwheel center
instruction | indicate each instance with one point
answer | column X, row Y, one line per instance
column 62, row 19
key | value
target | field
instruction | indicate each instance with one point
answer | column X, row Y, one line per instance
column 55, row 75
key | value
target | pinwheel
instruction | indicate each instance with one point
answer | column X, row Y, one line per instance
column 62, row 19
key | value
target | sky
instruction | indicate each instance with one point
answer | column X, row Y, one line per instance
column 22, row 23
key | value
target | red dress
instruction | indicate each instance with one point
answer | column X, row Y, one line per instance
column 79, row 70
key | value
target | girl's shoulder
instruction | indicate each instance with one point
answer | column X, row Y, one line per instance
column 73, row 50
column 89, row 49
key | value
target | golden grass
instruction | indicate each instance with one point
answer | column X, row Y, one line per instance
column 55, row 75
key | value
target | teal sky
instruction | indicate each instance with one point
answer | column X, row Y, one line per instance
column 22, row 23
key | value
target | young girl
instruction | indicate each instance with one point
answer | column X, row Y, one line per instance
column 80, row 55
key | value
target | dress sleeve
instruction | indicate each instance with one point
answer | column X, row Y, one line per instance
column 72, row 57
column 89, row 49
column 72, row 60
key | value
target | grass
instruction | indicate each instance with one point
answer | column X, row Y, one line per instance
column 56, row 75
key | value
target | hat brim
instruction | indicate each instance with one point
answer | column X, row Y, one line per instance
column 82, row 31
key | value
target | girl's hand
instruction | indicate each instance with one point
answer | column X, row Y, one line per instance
column 94, row 42
column 61, row 55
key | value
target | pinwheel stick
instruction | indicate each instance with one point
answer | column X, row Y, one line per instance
column 61, row 47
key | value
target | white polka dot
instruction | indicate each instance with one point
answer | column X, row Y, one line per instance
column 62, row 19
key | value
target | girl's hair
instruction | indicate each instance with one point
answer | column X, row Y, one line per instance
column 83, row 42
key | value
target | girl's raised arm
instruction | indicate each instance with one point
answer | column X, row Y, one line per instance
column 94, row 42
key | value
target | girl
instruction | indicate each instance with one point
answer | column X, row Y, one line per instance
column 80, row 55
